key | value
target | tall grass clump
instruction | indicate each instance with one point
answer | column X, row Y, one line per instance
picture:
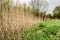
column 14, row 20
column 11, row 27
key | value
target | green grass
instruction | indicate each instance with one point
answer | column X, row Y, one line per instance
column 49, row 30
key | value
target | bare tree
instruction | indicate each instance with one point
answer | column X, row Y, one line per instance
column 39, row 6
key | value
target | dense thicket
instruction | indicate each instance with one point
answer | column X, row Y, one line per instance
column 56, row 12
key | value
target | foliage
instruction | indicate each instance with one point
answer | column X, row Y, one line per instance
column 56, row 12
column 42, row 15
column 49, row 16
column 45, row 31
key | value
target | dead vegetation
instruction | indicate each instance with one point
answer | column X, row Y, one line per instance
column 14, row 21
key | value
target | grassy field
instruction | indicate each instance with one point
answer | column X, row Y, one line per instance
column 49, row 30
column 20, row 22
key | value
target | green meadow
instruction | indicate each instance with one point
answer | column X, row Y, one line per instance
column 49, row 30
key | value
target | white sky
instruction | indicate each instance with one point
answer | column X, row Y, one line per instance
column 52, row 4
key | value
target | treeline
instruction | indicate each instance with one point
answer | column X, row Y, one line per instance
column 7, row 6
column 37, row 8
column 55, row 14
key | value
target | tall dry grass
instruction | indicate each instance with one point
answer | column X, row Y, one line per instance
column 14, row 21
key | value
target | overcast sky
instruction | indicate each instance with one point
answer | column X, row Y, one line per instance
column 52, row 4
